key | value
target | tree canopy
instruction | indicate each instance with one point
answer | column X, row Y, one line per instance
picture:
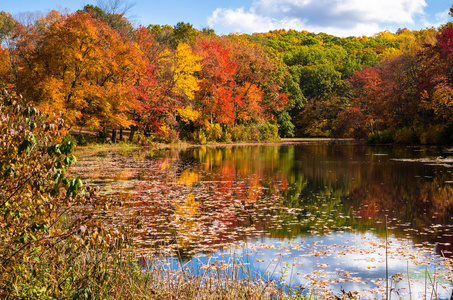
column 103, row 73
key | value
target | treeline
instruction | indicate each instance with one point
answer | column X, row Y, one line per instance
column 390, row 88
column 177, row 82
column 166, row 82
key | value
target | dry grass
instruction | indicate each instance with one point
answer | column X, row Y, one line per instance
column 132, row 278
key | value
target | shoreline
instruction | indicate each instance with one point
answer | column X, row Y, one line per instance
column 183, row 145
column 284, row 141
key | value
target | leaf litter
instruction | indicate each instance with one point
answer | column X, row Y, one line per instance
column 191, row 211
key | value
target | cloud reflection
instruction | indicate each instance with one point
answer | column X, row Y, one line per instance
column 324, row 265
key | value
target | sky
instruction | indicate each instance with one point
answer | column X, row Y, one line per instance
column 336, row 17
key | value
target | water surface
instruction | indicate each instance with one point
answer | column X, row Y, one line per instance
column 312, row 215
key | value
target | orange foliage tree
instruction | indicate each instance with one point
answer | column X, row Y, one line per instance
column 80, row 66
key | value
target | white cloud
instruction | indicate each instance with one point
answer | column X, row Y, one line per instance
column 359, row 29
column 337, row 17
column 389, row 11
column 439, row 18
column 443, row 16
column 248, row 21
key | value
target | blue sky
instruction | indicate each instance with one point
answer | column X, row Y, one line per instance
column 337, row 17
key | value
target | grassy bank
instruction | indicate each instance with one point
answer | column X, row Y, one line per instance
column 103, row 273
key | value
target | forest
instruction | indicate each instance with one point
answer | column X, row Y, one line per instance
column 166, row 83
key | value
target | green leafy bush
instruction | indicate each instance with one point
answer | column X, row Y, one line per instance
column 269, row 132
column 69, row 138
column 252, row 132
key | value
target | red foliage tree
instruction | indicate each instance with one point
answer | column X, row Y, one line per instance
column 216, row 95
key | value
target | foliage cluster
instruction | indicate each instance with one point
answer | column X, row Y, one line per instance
column 177, row 82
column 263, row 132
column 406, row 98
column 366, row 87
column 103, row 74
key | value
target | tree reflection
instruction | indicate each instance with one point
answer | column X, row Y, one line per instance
column 205, row 197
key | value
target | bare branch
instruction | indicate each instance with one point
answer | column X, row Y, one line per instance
column 121, row 7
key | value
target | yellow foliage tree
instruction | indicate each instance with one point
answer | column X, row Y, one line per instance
column 188, row 114
column 185, row 65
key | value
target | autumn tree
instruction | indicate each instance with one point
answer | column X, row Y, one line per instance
column 164, row 34
column 397, row 94
column 82, row 67
column 367, row 86
column 172, row 36
column 215, row 98
column 442, row 102
column 184, row 65
column 259, row 80
column 155, row 96
column 169, row 83
column 184, row 32
column 7, row 24
column 114, row 15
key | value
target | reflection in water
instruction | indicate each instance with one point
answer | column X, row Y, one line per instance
column 355, row 262
column 207, row 198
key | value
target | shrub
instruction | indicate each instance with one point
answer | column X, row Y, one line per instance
column 381, row 137
column 239, row 133
column 201, row 138
column 430, row 134
column 226, row 137
column 446, row 135
column 69, row 138
column 40, row 243
column 81, row 140
column 406, row 136
column 140, row 139
column 254, row 132
column 214, row 132
column 269, row 132
column 285, row 126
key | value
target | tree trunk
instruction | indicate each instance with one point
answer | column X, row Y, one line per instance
column 114, row 136
column 131, row 136
column 121, row 133
column 103, row 133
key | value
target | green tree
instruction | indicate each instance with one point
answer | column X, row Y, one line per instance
column 184, row 32
column 7, row 24
column 114, row 19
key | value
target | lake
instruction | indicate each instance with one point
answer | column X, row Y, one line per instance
column 315, row 216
